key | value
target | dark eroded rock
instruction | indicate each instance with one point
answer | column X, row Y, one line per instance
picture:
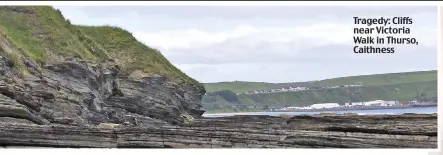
column 77, row 92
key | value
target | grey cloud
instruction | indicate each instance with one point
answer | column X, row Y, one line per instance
column 233, row 51
column 249, row 59
column 155, row 18
column 247, row 12
column 236, row 51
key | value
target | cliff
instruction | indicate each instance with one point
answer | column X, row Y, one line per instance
column 64, row 85
column 53, row 72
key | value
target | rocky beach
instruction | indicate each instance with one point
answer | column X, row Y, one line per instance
column 103, row 91
column 320, row 131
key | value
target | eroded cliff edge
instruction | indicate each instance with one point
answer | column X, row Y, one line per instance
column 53, row 72
column 76, row 93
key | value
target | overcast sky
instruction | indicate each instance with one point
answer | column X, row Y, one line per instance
column 267, row 44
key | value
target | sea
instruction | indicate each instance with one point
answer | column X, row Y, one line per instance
column 427, row 110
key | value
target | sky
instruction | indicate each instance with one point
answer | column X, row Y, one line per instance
column 268, row 43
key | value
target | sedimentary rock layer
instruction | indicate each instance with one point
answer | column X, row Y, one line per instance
column 74, row 92
column 405, row 131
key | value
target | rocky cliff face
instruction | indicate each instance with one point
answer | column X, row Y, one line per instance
column 53, row 72
column 74, row 92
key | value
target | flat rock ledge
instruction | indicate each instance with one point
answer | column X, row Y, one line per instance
column 321, row 131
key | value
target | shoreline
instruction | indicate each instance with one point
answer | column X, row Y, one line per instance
column 313, row 112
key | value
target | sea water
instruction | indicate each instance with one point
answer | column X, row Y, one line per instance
column 428, row 110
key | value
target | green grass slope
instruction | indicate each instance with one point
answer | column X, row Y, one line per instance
column 405, row 92
column 397, row 92
column 131, row 54
column 42, row 33
column 237, row 86
column 383, row 79
column 366, row 80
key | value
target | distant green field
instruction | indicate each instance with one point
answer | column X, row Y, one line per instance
column 236, row 86
column 366, row 80
column 401, row 87
column 399, row 92
column 383, row 79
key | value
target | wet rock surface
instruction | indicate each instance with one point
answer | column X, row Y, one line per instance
column 405, row 131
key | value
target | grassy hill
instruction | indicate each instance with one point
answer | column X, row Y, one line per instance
column 405, row 92
column 366, row 80
column 383, row 79
column 42, row 34
column 236, row 86
column 402, row 87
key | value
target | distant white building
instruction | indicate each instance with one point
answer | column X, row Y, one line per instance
column 375, row 103
column 357, row 104
column 390, row 103
column 370, row 103
column 296, row 88
column 293, row 107
column 413, row 102
column 324, row 105
column 276, row 90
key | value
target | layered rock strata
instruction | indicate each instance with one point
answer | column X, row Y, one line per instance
column 405, row 131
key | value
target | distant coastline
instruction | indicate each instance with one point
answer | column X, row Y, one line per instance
column 399, row 106
column 414, row 110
